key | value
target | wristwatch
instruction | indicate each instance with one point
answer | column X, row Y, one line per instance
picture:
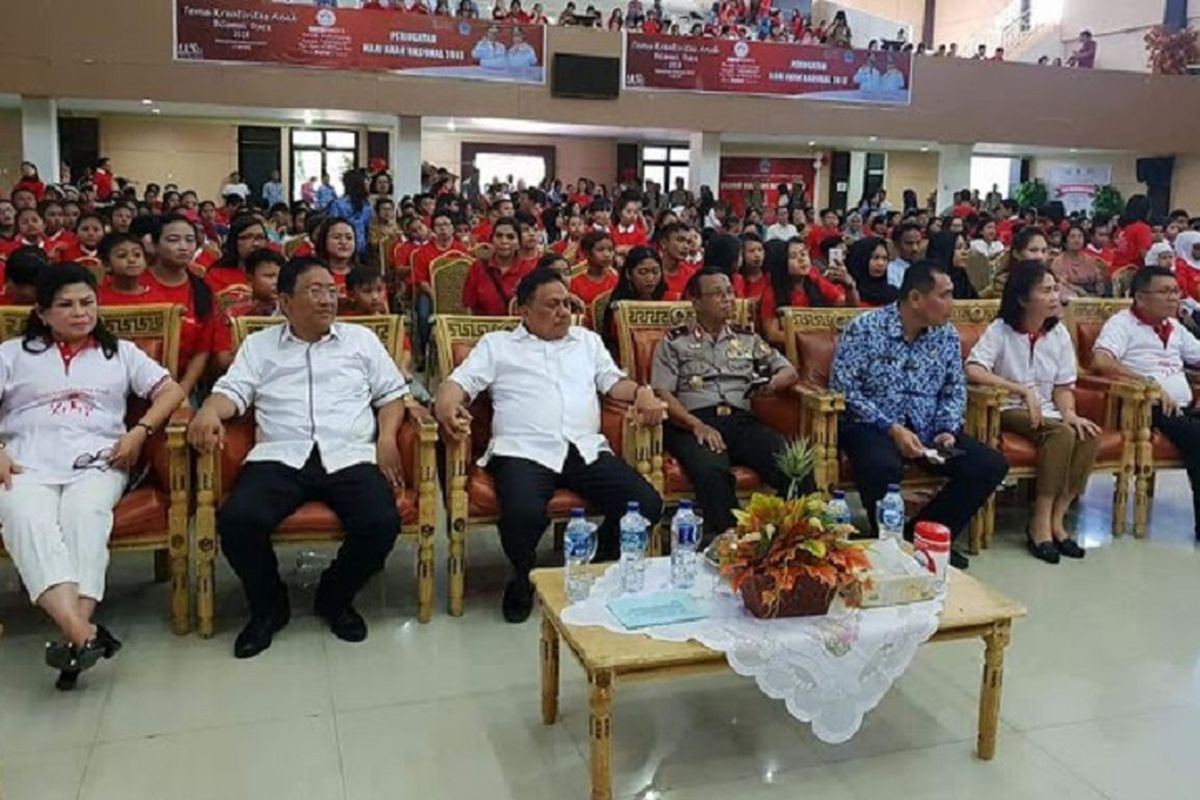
column 149, row 428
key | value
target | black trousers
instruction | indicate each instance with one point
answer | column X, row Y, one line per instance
column 267, row 492
column 749, row 443
column 973, row 476
column 1184, row 432
column 524, row 489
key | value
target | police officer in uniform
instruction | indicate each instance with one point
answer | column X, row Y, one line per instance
column 707, row 372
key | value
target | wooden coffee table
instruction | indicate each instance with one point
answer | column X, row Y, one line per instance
column 972, row 610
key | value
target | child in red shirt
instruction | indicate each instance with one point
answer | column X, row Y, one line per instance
column 262, row 272
column 125, row 264
column 600, row 276
column 568, row 248
column 630, row 230
column 89, row 232
column 675, row 245
column 751, row 281
column 58, row 239
column 20, row 276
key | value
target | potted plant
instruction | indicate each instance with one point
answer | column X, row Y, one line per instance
column 1108, row 201
column 788, row 556
column 1032, row 194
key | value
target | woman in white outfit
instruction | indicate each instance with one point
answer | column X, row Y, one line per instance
column 65, row 455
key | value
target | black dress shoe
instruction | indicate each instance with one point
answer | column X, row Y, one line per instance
column 109, row 645
column 1070, row 548
column 958, row 560
column 518, row 601
column 349, row 626
column 1044, row 551
column 260, row 630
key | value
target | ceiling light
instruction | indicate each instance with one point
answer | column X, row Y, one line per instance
column 1074, row 149
column 924, row 149
column 156, row 111
column 450, row 126
column 873, row 139
column 812, row 144
column 308, row 118
column 146, row 101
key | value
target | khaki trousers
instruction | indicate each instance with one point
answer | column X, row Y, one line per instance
column 1064, row 460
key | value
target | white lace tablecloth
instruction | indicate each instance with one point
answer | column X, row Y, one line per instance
column 828, row 670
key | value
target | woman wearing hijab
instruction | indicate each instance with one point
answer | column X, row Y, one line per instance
column 867, row 261
column 952, row 251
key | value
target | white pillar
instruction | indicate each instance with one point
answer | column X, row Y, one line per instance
column 954, row 173
column 704, row 165
column 405, row 161
column 39, row 136
column 858, row 173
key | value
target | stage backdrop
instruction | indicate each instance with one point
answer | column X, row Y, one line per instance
column 1076, row 185
column 814, row 72
column 746, row 178
column 362, row 39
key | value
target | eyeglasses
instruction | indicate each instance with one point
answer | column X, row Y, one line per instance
column 318, row 293
column 97, row 460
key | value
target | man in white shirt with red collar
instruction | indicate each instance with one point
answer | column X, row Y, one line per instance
column 545, row 379
column 1147, row 342
column 317, row 387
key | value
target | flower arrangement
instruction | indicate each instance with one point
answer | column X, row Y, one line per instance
column 1170, row 51
column 788, row 556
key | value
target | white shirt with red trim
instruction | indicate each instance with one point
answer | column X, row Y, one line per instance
column 1043, row 363
column 1139, row 347
column 59, row 409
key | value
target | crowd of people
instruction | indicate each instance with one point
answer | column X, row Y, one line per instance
column 544, row 253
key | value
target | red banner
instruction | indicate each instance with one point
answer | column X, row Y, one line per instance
column 363, row 39
column 814, row 72
column 746, row 179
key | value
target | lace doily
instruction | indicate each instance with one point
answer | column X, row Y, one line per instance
column 828, row 670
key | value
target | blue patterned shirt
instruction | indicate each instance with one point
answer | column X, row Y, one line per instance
column 887, row 381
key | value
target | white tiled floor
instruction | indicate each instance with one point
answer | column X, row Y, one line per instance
column 1101, row 699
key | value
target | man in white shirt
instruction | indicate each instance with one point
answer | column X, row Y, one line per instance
column 316, row 387
column 1148, row 343
column 907, row 238
column 545, row 379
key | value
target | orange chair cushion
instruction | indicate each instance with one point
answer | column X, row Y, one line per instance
column 815, row 351
column 968, row 335
column 677, row 481
column 645, row 341
column 482, row 501
column 1021, row 452
column 1086, row 334
column 318, row 518
column 141, row 514
column 1162, row 449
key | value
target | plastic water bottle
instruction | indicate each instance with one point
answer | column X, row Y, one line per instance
column 685, row 540
column 579, row 548
column 838, row 509
column 635, row 536
column 889, row 514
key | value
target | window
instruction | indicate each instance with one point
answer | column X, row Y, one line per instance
column 664, row 163
column 316, row 151
column 513, row 169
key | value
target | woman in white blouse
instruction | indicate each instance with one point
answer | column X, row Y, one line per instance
column 1028, row 353
column 987, row 239
column 65, row 455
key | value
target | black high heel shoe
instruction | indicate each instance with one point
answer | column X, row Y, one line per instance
column 70, row 660
column 1044, row 551
column 1070, row 548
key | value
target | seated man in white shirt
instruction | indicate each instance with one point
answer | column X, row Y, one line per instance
column 1147, row 342
column 544, row 379
column 316, row 386
column 908, row 239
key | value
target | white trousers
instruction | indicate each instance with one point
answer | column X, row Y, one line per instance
column 58, row 533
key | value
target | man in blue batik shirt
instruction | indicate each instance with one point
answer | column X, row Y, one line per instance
column 901, row 371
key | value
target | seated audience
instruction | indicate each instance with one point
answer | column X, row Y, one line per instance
column 328, row 403
column 1028, row 354
column 867, row 261
column 641, row 279
column 752, row 281
column 21, row 274
column 600, row 276
column 706, row 372
column 901, row 372
column 262, row 270
column 908, row 240
column 64, row 464
column 366, row 293
column 491, row 284
column 951, row 251
column 544, row 379
column 795, row 281
column 1079, row 273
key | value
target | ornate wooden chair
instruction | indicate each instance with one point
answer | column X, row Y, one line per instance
column 811, row 336
column 470, row 491
column 598, row 310
column 153, row 515
column 314, row 522
column 448, row 274
column 640, row 327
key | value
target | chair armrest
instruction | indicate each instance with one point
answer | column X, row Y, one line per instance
column 983, row 413
column 818, row 399
column 1125, row 402
column 820, row 410
column 639, row 445
column 781, row 411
